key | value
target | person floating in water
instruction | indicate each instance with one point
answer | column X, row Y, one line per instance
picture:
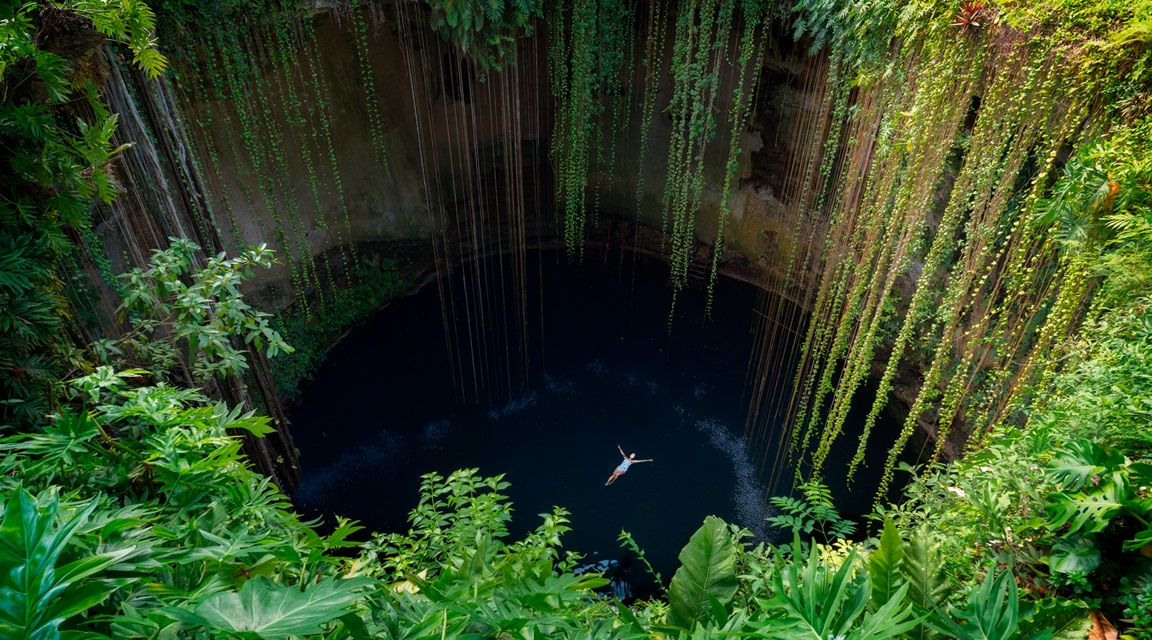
column 629, row 460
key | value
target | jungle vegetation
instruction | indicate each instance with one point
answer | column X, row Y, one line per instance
column 131, row 511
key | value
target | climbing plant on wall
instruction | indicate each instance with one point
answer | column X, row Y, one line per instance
column 751, row 55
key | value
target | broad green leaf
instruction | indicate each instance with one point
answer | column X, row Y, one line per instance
column 1086, row 512
column 1054, row 618
column 36, row 597
column 273, row 610
column 923, row 570
column 1074, row 554
column 707, row 567
column 884, row 565
column 1140, row 473
column 1080, row 461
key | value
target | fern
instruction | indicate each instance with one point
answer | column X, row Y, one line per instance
column 814, row 514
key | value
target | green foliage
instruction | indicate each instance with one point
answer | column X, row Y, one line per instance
column 884, row 565
column 55, row 166
column 509, row 595
column 922, row 569
column 1106, row 393
column 453, row 515
column 821, row 600
column 994, row 612
column 1059, row 503
column 706, row 575
column 37, row 590
column 859, row 31
column 152, row 478
column 587, row 57
column 159, row 499
column 186, row 319
column 629, row 543
column 486, row 30
column 1105, row 486
column 456, row 575
column 127, row 21
column 1104, row 190
column 265, row 609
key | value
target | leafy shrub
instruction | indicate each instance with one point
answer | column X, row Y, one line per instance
column 185, row 320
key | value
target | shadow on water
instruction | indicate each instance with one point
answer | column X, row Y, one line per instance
column 604, row 370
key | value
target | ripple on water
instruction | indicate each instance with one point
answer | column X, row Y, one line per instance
column 515, row 406
column 328, row 482
column 598, row 368
column 565, row 388
column 748, row 494
column 434, row 433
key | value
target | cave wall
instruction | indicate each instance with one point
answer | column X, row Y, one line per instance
column 368, row 131
column 444, row 131
column 336, row 187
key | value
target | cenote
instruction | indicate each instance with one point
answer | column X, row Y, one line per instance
column 272, row 267
column 606, row 367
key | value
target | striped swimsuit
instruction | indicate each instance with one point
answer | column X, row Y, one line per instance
column 624, row 465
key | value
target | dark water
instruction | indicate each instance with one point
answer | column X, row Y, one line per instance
column 604, row 370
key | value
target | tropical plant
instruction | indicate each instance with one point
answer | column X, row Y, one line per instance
column 994, row 612
column 41, row 586
column 485, row 30
column 185, row 328
column 262, row 608
column 55, row 166
column 159, row 499
column 819, row 600
column 706, row 580
column 1100, row 488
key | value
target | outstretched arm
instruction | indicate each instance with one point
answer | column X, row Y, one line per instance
column 622, row 451
column 648, row 460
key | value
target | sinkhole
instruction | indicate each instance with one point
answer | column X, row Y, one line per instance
column 400, row 397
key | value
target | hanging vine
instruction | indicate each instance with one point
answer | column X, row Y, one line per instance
column 588, row 46
column 952, row 141
column 751, row 56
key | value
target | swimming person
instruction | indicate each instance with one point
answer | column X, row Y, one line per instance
column 629, row 460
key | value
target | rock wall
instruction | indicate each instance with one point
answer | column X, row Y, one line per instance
column 366, row 130
column 446, row 134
